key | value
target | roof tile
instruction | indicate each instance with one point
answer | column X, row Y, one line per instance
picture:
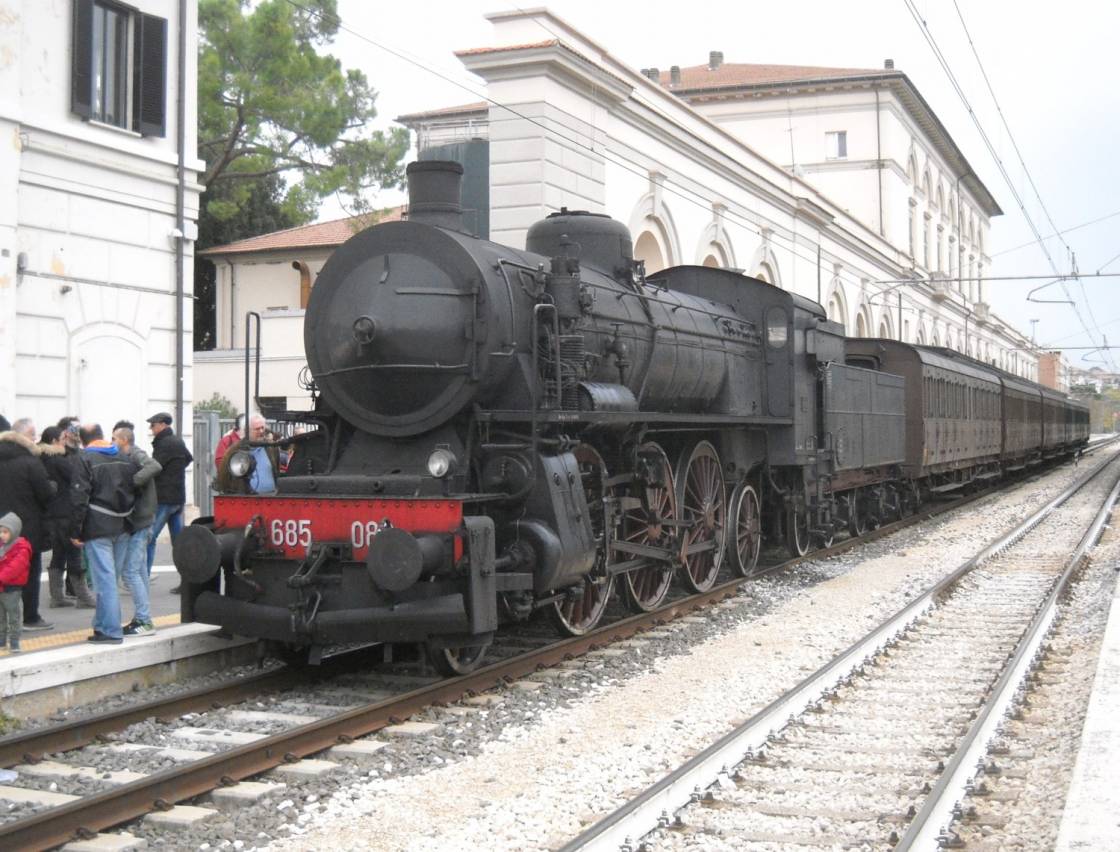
column 732, row 74
column 332, row 233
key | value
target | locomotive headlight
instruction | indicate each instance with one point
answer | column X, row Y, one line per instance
column 240, row 464
column 440, row 463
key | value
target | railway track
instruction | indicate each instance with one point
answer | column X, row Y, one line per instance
column 126, row 797
column 877, row 748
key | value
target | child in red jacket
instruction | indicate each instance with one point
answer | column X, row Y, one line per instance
column 15, row 562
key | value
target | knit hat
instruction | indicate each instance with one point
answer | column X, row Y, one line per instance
column 12, row 522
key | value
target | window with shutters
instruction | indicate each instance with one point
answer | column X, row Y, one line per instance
column 119, row 72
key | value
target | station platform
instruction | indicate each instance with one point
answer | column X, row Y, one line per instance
column 72, row 625
column 1091, row 819
column 58, row 669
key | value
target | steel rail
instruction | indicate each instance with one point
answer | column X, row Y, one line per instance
column 654, row 806
column 90, row 814
column 159, row 791
column 935, row 817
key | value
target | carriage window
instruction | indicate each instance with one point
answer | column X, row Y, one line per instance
column 776, row 331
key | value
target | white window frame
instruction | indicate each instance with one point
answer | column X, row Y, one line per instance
column 836, row 145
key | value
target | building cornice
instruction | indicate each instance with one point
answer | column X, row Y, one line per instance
column 896, row 82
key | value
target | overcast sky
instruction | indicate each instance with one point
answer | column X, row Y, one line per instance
column 1052, row 67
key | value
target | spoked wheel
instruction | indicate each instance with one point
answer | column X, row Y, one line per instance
column 797, row 529
column 582, row 608
column 746, row 525
column 701, row 500
column 646, row 587
column 452, row 662
column 857, row 514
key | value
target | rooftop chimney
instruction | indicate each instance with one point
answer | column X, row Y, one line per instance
column 654, row 73
column 715, row 59
column 434, row 193
column 889, row 64
column 675, row 75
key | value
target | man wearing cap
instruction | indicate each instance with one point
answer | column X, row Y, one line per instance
column 171, row 483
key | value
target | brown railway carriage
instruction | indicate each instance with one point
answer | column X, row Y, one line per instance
column 953, row 422
column 1022, row 421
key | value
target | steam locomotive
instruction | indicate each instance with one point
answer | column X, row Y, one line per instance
column 505, row 432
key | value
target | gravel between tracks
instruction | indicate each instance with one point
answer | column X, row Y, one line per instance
column 580, row 746
column 1045, row 742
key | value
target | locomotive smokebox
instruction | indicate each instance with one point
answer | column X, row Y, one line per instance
column 434, row 193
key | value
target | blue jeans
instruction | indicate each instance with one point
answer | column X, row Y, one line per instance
column 104, row 555
column 136, row 574
column 172, row 516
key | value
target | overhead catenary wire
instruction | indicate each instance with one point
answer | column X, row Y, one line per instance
column 923, row 27
column 1096, row 221
column 1023, row 163
column 614, row 157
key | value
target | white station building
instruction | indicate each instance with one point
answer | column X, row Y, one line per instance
column 98, row 173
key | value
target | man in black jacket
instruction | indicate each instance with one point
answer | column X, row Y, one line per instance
column 171, row 484
column 60, row 462
column 104, row 494
column 26, row 490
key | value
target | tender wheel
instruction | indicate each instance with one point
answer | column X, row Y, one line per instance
column 797, row 530
column 702, row 502
column 857, row 514
column 581, row 609
column 646, row 587
column 452, row 662
column 746, row 530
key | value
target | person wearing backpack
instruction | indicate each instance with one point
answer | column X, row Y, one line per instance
column 104, row 496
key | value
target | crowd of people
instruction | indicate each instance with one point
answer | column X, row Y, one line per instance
column 97, row 505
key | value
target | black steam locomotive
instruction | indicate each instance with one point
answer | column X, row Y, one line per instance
column 502, row 432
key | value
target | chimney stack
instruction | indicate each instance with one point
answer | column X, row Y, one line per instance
column 675, row 75
column 434, row 188
column 715, row 59
column 655, row 73
column 889, row 64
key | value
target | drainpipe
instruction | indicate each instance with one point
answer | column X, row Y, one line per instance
column 879, row 161
column 180, row 204
column 232, row 304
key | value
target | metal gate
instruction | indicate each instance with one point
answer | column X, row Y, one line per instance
column 207, row 432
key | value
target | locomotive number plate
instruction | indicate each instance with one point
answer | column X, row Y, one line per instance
column 291, row 524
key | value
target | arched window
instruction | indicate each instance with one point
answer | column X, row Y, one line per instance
column 884, row 328
column 648, row 249
column 837, row 310
column 861, row 325
column 713, row 262
column 765, row 273
column 921, row 339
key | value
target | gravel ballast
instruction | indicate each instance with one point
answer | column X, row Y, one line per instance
column 586, row 743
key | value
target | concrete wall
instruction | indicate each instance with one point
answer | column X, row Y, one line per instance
column 87, row 326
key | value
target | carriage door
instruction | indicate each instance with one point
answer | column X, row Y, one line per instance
column 778, row 373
